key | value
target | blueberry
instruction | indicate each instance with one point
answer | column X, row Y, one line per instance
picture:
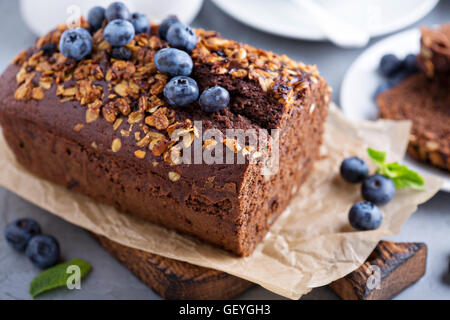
column 119, row 32
column 174, row 62
column 95, row 18
column 117, row 10
column 382, row 87
column 48, row 49
column 389, row 65
column 214, row 99
column 410, row 63
column 165, row 25
column 140, row 22
column 121, row 53
column 365, row 215
column 76, row 43
column 43, row 251
column 19, row 232
column 354, row 170
column 378, row 189
column 181, row 91
column 182, row 37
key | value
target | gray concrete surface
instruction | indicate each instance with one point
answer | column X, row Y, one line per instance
column 109, row 279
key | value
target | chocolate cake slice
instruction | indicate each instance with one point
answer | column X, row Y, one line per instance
column 427, row 103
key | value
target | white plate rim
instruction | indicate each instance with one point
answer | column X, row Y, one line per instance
column 413, row 16
column 347, row 88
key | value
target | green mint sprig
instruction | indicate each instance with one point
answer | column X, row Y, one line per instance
column 56, row 276
column 401, row 175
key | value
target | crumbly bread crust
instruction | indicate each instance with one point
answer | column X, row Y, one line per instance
column 101, row 127
column 426, row 102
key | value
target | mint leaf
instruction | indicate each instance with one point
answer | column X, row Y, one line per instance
column 378, row 157
column 56, row 276
column 401, row 175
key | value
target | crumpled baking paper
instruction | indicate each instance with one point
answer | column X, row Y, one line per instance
column 311, row 244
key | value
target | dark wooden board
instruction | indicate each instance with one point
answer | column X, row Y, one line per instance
column 390, row 268
column 400, row 265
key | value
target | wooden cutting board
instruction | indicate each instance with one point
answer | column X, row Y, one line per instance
column 389, row 269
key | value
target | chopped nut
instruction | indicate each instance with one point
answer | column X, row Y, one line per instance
column 135, row 117
column 158, row 119
column 109, row 112
column 158, row 146
column 92, row 115
column 140, row 154
column 116, row 145
column 78, row 127
column 232, row 144
column 173, row 176
column 37, row 93
column 208, row 144
column 24, row 91
column 94, row 145
column 117, row 124
column 20, row 58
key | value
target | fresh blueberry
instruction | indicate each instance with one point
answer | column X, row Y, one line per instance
column 140, row 22
column 76, row 43
column 182, row 37
column 410, row 63
column 95, row 18
column 121, row 53
column 119, row 32
column 365, row 215
column 117, row 10
column 19, row 232
column 378, row 189
column 382, row 87
column 181, row 91
column 214, row 99
column 48, row 49
column 173, row 61
column 354, row 170
column 389, row 65
column 43, row 251
column 165, row 25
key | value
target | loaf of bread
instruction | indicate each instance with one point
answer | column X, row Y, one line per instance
column 102, row 127
column 434, row 57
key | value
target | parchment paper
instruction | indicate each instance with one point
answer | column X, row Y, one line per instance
column 311, row 245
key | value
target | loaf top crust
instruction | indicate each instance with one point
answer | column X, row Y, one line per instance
column 434, row 57
column 118, row 107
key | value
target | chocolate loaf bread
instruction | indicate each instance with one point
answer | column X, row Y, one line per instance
column 102, row 127
column 434, row 57
column 426, row 102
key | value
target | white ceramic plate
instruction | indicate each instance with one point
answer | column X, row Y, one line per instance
column 362, row 79
column 283, row 18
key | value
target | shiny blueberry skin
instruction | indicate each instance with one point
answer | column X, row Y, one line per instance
column 117, row 10
column 410, row 63
column 43, row 251
column 140, row 22
column 365, row 215
column 354, row 170
column 121, row 53
column 119, row 32
column 378, row 189
column 182, row 37
column 19, row 232
column 95, row 18
column 389, row 65
column 165, row 25
column 214, row 99
column 181, row 91
column 173, row 62
column 76, row 43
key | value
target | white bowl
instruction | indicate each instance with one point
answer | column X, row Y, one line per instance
column 44, row 15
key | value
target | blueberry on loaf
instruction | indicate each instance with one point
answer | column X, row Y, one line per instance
column 103, row 126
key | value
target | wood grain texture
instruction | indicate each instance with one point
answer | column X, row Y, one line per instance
column 176, row 280
column 399, row 265
column 396, row 265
